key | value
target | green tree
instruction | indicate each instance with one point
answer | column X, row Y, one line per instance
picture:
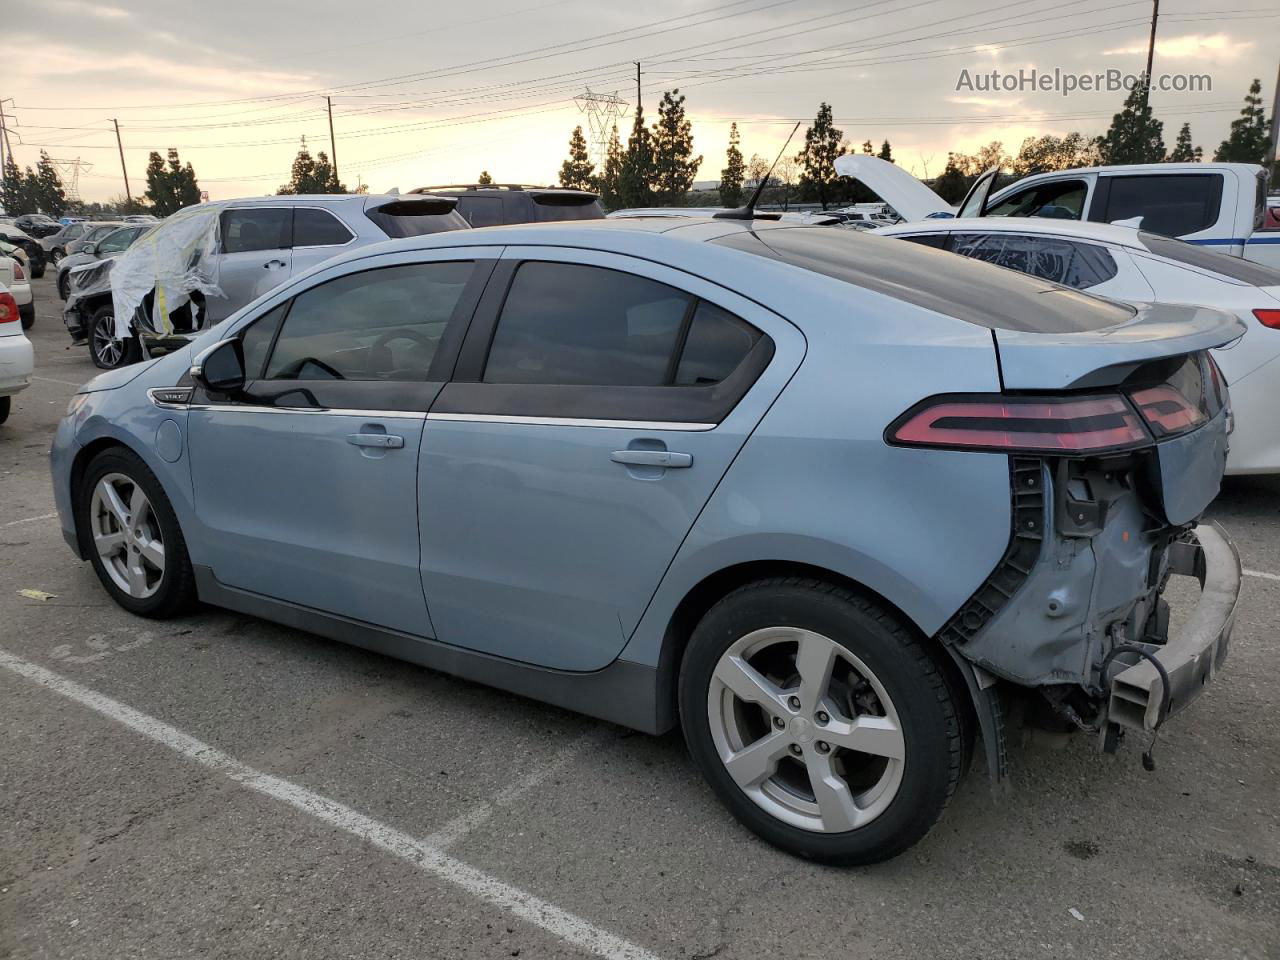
column 822, row 144
column 611, row 175
column 868, row 149
column 13, row 189
column 886, row 153
column 158, row 184
column 170, row 185
column 1183, row 151
column 1249, row 140
column 182, row 182
column 953, row 184
column 635, row 181
column 484, row 179
column 1135, row 136
column 1046, row 153
column 50, row 196
column 578, row 171
column 674, row 165
column 734, row 171
column 312, row 174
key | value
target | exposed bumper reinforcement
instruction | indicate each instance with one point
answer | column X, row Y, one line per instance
column 1192, row 657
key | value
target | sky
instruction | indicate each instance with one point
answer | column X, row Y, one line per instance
column 430, row 93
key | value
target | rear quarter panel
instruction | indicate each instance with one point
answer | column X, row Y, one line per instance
column 817, row 484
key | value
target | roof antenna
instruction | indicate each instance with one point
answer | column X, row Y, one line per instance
column 749, row 211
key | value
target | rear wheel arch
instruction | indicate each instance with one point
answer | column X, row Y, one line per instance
column 714, row 587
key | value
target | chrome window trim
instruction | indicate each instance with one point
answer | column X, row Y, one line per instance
column 572, row 422
column 335, row 411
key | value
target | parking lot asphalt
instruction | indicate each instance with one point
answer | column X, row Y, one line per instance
column 219, row 786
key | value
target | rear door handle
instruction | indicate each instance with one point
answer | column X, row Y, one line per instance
column 652, row 458
column 273, row 263
column 384, row 441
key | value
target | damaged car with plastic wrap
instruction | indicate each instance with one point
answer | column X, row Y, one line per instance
column 830, row 502
column 205, row 262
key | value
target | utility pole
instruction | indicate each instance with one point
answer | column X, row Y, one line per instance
column 123, row 169
column 1275, row 131
column 6, row 149
column 1151, row 51
column 639, row 105
column 333, row 144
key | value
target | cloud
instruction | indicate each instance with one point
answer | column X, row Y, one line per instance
column 1191, row 45
column 98, row 10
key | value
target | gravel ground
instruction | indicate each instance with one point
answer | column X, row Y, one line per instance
column 565, row 837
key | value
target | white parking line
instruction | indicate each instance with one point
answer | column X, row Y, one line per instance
column 65, row 383
column 423, row 855
column 43, row 516
column 1259, row 573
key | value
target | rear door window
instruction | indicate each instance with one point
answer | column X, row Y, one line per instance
column 1057, row 200
column 1173, row 204
column 716, row 343
column 318, row 228
column 258, row 228
column 567, row 323
column 1073, row 264
column 938, row 240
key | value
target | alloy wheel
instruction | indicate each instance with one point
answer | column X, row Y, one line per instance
column 806, row 730
column 126, row 535
column 106, row 347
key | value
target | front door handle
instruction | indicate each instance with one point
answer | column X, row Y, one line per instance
column 652, row 458
column 384, row 441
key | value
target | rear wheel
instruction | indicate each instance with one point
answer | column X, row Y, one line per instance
column 131, row 534
column 56, row 254
column 27, row 314
column 106, row 349
column 820, row 720
column 4, row 409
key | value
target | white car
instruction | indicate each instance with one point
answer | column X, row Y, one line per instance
column 13, row 275
column 1140, row 267
column 16, row 357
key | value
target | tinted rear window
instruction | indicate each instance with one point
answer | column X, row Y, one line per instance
column 1193, row 255
column 413, row 218
column 1169, row 203
column 566, row 206
column 966, row 289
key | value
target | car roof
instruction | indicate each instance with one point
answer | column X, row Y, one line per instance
column 1043, row 226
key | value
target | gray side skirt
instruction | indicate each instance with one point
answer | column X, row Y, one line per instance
column 624, row 692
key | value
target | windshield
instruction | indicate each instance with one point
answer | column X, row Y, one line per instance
column 969, row 290
column 1235, row 268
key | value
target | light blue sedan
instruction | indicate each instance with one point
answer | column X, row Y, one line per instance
column 826, row 500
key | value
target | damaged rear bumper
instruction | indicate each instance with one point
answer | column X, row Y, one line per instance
column 1192, row 656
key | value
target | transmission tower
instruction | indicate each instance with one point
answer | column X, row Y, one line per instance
column 603, row 111
column 69, row 173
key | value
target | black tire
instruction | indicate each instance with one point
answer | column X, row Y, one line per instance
column 27, row 314
column 105, row 350
column 64, row 280
column 5, row 405
column 177, row 589
column 897, row 655
column 56, row 254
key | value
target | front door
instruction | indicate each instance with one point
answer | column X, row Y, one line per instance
column 598, row 401
column 254, row 255
column 306, row 485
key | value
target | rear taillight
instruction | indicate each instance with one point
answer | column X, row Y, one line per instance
column 1063, row 425
column 1268, row 318
column 1167, row 411
column 8, row 308
column 18, row 272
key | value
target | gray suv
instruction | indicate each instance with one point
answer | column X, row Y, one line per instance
column 499, row 204
column 255, row 244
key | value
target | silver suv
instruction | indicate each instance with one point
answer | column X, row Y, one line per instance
column 250, row 246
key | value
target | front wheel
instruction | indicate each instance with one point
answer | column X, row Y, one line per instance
column 821, row 721
column 106, row 349
column 4, row 409
column 131, row 534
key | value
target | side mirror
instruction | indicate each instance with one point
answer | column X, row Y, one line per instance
column 91, row 248
column 220, row 369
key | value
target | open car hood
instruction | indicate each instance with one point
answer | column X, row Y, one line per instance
column 1095, row 358
column 895, row 186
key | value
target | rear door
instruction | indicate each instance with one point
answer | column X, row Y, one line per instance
column 253, row 255
column 598, row 401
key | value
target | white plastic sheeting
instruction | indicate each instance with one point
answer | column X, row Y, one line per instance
column 175, row 259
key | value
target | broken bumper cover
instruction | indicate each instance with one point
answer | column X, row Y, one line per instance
column 1190, row 658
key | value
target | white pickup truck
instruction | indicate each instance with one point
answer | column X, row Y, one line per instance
column 1217, row 205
